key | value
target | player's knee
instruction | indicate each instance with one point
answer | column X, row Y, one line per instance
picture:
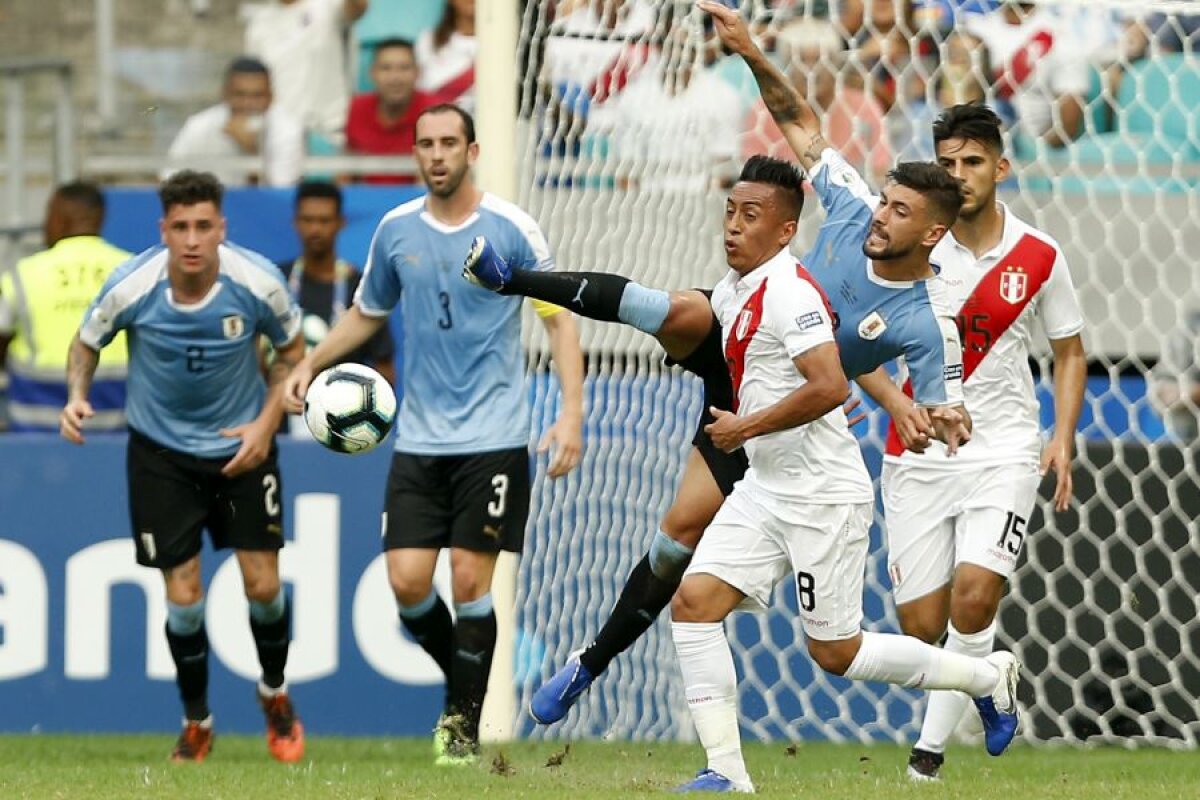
column 261, row 588
column 682, row 526
column 972, row 609
column 690, row 603
column 833, row 657
column 470, row 576
column 929, row 628
column 410, row 589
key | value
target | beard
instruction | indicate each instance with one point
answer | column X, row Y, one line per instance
column 889, row 252
column 453, row 180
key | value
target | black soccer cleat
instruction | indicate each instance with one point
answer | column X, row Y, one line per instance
column 925, row 766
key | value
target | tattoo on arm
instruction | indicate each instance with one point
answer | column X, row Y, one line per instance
column 81, row 366
column 782, row 100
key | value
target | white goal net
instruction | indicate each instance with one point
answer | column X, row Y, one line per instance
column 633, row 124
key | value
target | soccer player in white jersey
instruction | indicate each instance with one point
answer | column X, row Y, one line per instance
column 804, row 507
column 202, row 435
column 955, row 528
column 460, row 474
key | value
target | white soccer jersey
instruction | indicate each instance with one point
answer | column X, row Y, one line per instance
column 999, row 297
column 769, row 317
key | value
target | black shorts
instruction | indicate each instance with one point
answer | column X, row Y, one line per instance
column 707, row 362
column 477, row 502
column 174, row 496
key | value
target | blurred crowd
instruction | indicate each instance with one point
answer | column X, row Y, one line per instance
column 646, row 80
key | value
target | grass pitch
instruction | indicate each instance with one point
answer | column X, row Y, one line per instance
column 103, row 767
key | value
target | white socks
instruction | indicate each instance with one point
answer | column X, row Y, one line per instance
column 710, row 684
column 945, row 709
column 909, row 662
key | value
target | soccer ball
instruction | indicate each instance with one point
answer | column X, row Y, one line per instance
column 350, row 408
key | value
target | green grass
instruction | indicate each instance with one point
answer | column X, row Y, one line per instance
column 102, row 767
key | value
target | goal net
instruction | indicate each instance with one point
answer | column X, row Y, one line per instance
column 632, row 126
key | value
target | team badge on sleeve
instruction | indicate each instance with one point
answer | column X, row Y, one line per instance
column 233, row 326
column 1014, row 283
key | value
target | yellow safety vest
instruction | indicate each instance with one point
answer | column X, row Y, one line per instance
column 47, row 294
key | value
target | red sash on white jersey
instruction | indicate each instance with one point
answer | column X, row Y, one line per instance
column 738, row 342
column 1013, row 75
column 993, row 306
column 746, row 325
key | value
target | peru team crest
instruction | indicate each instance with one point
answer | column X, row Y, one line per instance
column 1014, row 283
column 743, row 324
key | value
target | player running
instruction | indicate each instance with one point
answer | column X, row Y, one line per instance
column 955, row 531
column 202, row 435
column 871, row 256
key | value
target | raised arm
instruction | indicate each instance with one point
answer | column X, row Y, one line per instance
column 800, row 125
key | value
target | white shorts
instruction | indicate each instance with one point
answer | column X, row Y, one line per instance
column 756, row 540
column 938, row 519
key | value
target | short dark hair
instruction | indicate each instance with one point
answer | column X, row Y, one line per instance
column 189, row 188
column 394, row 41
column 83, row 195
column 319, row 190
column 971, row 121
column 940, row 189
column 441, row 108
column 246, row 65
column 783, row 175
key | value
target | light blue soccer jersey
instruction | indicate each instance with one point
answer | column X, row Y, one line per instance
column 880, row 320
column 463, row 365
column 193, row 369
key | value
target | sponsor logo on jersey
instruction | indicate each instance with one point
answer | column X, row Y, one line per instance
column 872, row 326
column 1014, row 283
column 233, row 326
column 953, row 372
column 810, row 320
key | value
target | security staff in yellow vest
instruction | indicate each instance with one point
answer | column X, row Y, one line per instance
column 42, row 300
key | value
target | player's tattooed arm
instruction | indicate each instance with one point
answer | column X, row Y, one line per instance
column 81, row 367
column 797, row 121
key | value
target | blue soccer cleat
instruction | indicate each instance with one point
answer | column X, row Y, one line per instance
column 998, row 711
column 708, row 780
column 484, row 267
column 554, row 698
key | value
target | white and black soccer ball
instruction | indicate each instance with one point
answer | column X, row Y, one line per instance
column 350, row 408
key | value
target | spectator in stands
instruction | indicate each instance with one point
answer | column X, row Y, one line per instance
column 948, row 15
column 887, row 51
column 303, row 43
column 1172, row 33
column 962, row 77
column 246, row 123
column 1039, row 66
column 42, row 301
column 1176, row 391
column 322, row 284
column 382, row 122
column 446, row 56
